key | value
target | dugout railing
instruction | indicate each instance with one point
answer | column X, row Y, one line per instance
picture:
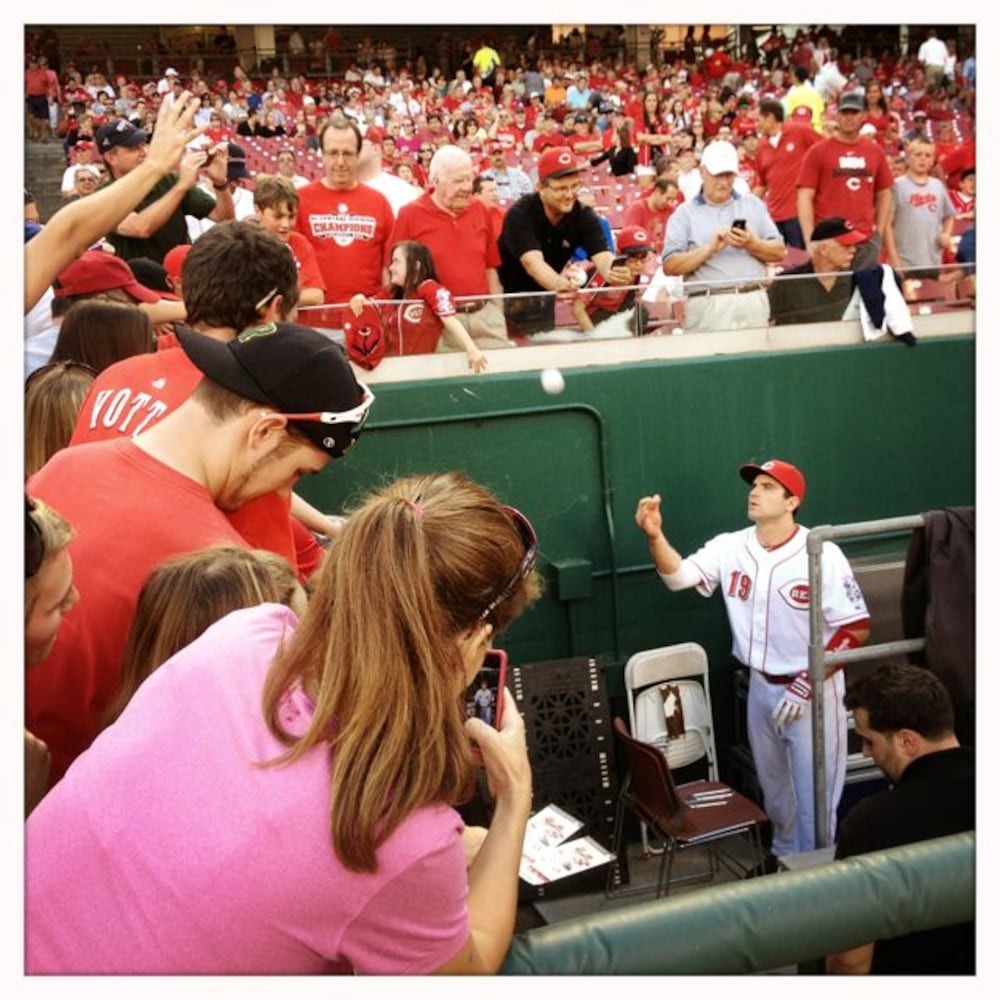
column 820, row 659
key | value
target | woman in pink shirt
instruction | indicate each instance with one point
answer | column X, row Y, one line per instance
column 278, row 798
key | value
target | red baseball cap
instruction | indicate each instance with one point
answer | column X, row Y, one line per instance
column 557, row 161
column 803, row 112
column 99, row 271
column 174, row 261
column 633, row 239
column 784, row 472
column 374, row 134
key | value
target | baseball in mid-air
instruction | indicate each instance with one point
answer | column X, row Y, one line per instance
column 552, row 381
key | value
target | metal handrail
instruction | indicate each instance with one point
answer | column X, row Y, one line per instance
column 820, row 659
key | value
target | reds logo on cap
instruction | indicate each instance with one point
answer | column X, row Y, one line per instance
column 565, row 159
column 641, row 236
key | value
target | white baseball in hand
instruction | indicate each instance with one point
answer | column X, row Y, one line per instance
column 552, row 381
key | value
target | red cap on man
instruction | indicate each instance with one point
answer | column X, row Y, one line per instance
column 97, row 271
column 784, row 472
column 557, row 161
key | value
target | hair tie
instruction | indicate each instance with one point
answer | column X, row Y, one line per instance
column 418, row 511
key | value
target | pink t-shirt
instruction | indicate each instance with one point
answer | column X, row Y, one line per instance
column 166, row 849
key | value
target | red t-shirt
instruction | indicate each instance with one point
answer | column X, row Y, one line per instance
column 846, row 178
column 463, row 247
column 640, row 214
column 132, row 395
column 130, row 512
column 543, row 142
column 348, row 230
column 310, row 275
column 416, row 328
column 778, row 167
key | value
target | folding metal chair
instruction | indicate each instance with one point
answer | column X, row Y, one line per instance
column 683, row 668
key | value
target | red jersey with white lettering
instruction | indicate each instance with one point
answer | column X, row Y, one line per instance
column 348, row 230
column 416, row 328
column 132, row 395
column 846, row 177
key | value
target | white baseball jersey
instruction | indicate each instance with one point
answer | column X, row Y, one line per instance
column 766, row 592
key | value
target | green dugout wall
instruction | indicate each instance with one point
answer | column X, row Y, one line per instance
column 879, row 430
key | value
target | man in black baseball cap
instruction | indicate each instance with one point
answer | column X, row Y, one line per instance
column 156, row 225
column 832, row 246
column 301, row 377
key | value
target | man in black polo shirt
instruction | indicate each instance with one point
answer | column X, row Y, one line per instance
column 905, row 719
column 540, row 232
column 156, row 225
column 824, row 297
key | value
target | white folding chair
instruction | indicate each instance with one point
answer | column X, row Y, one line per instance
column 684, row 667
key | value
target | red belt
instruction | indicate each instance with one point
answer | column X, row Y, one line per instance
column 776, row 678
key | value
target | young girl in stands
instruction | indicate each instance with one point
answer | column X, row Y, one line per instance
column 53, row 395
column 186, row 594
column 417, row 328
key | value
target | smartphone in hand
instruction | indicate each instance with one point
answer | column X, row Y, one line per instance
column 484, row 696
column 740, row 224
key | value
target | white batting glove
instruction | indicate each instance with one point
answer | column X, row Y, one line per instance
column 796, row 700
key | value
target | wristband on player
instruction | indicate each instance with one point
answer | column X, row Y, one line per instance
column 842, row 639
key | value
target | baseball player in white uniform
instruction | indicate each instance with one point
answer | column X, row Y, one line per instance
column 763, row 571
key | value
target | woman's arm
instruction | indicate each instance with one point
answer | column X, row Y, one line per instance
column 493, row 875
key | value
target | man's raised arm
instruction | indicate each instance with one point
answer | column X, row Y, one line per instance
column 79, row 225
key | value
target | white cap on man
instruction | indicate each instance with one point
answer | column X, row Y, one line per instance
column 720, row 157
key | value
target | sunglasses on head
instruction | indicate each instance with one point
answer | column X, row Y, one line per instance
column 529, row 538
column 357, row 416
column 34, row 545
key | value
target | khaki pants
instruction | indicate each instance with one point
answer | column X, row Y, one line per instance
column 486, row 326
column 727, row 311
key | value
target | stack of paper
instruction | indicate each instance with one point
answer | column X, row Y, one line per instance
column 548, row 853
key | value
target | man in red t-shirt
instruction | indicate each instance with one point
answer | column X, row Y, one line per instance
column 548, row 135
column 458, row 231
column 41, row 86
column 347, row 223
column 135, row 502
column 651, row 213
column 236, row 275
column 780, row 152
column 848, row 176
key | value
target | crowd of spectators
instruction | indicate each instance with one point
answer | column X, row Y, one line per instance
column 503, row 106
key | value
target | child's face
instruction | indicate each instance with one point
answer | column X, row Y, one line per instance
column 397, row 267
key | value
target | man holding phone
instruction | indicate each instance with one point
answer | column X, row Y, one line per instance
column 157, row 224
column 721, row 242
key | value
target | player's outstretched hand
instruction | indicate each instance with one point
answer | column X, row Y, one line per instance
column 648, row 517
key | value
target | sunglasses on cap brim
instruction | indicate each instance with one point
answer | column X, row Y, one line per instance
column 529, row 538
column 357, row 417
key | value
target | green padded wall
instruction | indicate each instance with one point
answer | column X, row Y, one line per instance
column 879, row 431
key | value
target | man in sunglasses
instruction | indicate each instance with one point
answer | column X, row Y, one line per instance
column 274, row 402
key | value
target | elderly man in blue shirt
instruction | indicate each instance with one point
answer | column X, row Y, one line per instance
column 721, row 242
